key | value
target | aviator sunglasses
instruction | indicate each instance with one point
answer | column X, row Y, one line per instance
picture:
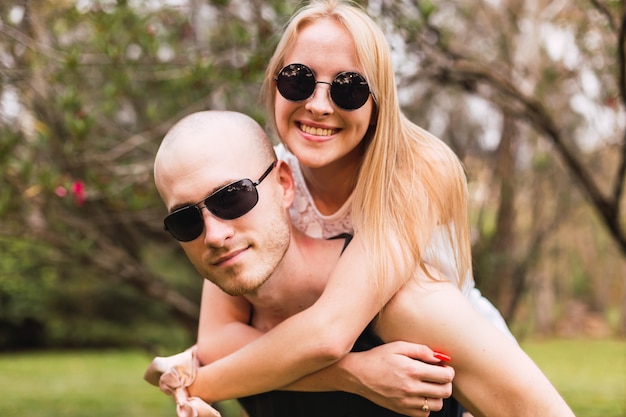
column 349, row 90
column 229, row 202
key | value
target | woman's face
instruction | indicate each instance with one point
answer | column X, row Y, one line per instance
column 316, row 130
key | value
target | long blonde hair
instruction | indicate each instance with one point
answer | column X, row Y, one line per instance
column 410, row 181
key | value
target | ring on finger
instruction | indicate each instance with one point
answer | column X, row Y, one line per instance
column 425, row 407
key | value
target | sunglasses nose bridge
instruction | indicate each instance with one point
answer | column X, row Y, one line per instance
column 323, row 82
column 325, row 105
column 330, row 86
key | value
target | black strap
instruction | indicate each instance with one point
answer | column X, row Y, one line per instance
column 347, row 236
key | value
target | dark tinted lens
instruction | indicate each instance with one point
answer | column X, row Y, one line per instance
column 296, row 82
column 185, row 224
column 234, row 200
column 349, row 90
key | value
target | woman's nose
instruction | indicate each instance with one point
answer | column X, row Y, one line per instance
column 320, row 102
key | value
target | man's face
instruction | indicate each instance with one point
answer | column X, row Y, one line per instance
column 237, row 255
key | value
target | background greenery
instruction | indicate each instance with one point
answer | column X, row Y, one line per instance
column 589, row 374
column 530, row 95
column 90, row 87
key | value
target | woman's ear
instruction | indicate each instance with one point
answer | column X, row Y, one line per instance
column 285, row 177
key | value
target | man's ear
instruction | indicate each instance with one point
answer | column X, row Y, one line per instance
column 285, row 177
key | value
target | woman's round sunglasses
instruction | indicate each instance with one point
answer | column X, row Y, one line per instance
column 349, row 90
column 229, row 202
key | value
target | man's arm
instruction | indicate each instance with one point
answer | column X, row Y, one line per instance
column 494, row 377
column 223, row 324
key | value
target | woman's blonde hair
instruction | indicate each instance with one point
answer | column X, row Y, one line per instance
column 410, row 182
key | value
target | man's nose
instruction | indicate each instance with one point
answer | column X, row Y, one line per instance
column 216, row 230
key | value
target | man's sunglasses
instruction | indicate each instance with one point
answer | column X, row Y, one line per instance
column 229, row 202
column 349, row 90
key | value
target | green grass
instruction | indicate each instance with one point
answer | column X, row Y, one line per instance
column 77, row 384
column 591, row 375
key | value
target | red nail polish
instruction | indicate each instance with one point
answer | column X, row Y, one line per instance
column 442, row 356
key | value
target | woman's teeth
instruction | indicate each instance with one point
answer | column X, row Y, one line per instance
column 317, row 131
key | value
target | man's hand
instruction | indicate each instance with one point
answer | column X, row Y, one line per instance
column 400, row 376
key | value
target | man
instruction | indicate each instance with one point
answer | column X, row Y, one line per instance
column 244, row 243
column 240, row 238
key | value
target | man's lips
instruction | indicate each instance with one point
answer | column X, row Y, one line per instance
column 227, row 258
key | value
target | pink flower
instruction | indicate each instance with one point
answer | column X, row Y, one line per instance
column 78, row 188
column 60, row 191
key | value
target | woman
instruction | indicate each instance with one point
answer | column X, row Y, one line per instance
column 406, row 189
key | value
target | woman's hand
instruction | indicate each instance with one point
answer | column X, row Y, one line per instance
column 399, row 376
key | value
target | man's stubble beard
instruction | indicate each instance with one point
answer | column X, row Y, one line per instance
column 235, row 283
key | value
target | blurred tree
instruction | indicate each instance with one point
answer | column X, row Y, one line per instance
column 89, row 89
column 526, row 86
column 525, row 92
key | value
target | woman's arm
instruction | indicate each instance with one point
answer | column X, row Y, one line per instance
column 494, row 377
column 307, row 342
column 394, row 376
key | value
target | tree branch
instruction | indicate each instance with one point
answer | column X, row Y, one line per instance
column 468, row 75
column 606, row 13
column 618, row 188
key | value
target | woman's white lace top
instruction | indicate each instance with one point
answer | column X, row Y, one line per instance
column 307, row 218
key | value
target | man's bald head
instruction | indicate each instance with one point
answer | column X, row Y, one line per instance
column 211, row 135
column 234, row 229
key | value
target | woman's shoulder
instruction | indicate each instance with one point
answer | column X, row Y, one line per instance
column 283, row 154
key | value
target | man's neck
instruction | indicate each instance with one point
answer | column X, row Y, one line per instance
column 297, row 282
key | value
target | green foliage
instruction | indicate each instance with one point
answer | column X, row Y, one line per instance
column 98, row 87
column 427, row 8
column 42, row 305
column 26, row 290
column 100, row 82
